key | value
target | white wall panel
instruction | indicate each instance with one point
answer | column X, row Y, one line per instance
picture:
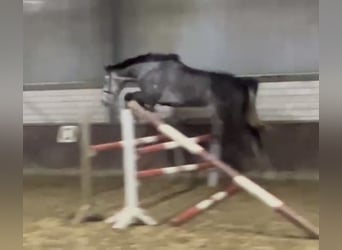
column 280, row 101
column 289, row 101
column 63, row 106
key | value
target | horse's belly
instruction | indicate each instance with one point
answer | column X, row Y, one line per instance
column 175, row 100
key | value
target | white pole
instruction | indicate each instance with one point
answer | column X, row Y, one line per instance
column 129, row 159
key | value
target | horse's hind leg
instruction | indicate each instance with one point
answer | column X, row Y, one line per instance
column 255, row 133
column 179, row 156
column 215, row 147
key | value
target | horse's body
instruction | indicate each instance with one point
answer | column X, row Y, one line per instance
column 165, row 80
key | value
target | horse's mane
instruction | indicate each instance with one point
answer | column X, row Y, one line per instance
column 159, row 57
column 149, row 57
column 209, row 73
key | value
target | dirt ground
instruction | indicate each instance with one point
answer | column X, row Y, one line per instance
column 238, row 223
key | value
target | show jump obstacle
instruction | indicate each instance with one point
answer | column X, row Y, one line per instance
column 131, row 212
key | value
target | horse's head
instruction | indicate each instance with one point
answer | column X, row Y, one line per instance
column 130, row 70
column 114, row 82
column 107, row 92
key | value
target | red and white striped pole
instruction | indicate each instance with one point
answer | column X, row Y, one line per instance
column 173, row 170
column 169, row 145
column 204, row 205
column 120, row 144
column 240, row 180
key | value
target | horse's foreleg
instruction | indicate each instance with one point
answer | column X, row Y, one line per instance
column 139, row 97
column 175, row 157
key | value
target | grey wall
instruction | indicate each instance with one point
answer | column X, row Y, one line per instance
column 70, row 40
column 67, row 40
column 240, row 36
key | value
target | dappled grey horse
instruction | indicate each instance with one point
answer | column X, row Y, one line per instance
column 165, row 80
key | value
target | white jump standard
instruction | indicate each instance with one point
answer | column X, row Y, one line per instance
column 131, row 213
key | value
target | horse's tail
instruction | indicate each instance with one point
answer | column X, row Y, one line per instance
column 254, row 124
column 251, row 86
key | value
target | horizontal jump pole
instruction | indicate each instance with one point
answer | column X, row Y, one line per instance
column 169, row 145
column 120, row 144
column 173, row 170
column 204, row 205
column 240, row 180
